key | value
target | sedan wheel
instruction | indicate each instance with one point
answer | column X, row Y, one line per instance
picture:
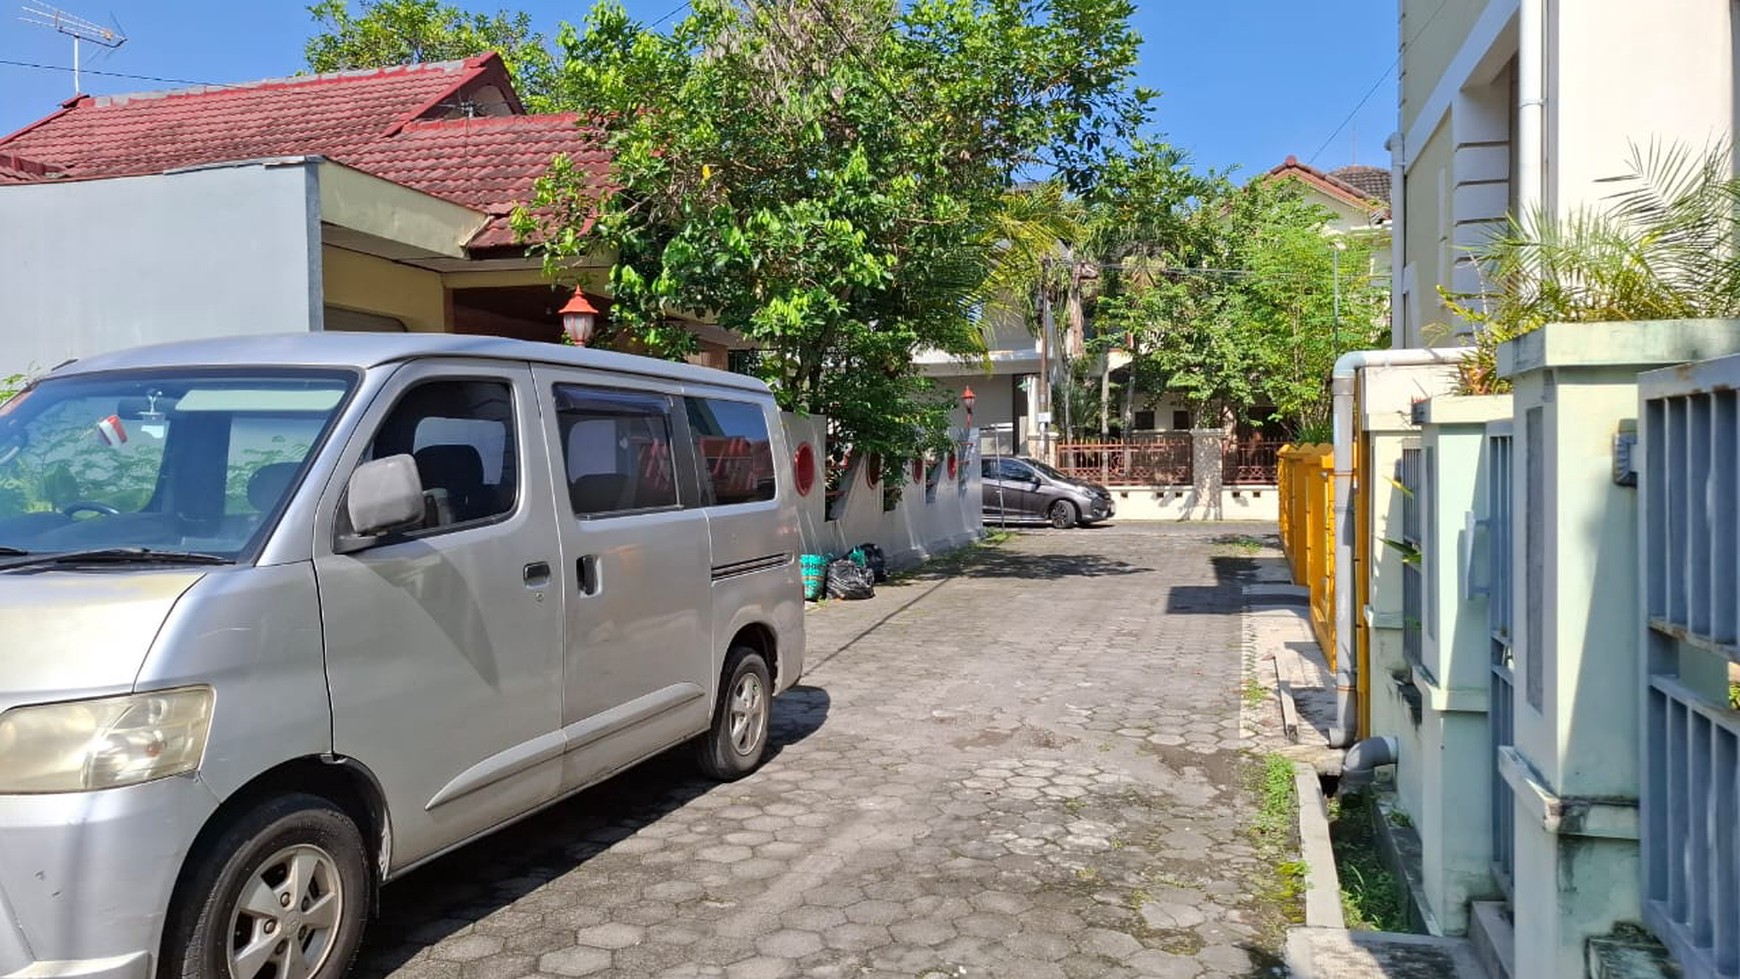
column 1062, row 515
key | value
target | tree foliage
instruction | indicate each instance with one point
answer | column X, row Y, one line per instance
column 1662, row 246
column 402, row 32
column 830, row 178
column 1228, row 296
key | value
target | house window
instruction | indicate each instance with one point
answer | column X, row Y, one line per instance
column 1144, row 421
column 1180, row 419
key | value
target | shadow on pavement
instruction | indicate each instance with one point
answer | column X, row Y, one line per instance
column 1006, row 564
column 486, row 876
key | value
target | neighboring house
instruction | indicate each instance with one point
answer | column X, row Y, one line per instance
column 1005, row 390
column 366, row 200
column 1492, row 124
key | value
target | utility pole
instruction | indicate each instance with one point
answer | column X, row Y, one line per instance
column 1045, row 326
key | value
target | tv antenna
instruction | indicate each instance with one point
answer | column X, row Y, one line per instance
column 73, row 26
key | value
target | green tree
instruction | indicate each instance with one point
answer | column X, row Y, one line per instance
column 827, row 178
column 401, row 32
column 1229, row 298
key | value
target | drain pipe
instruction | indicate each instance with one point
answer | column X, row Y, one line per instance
column 1360, row 764
column 1343, row 381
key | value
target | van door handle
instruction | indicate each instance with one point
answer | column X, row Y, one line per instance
column 588, row 568
column 536, row 574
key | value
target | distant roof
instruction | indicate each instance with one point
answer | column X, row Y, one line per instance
column 1373, row 182
column 364, row 350
column 1360, row 194
column 453, row 129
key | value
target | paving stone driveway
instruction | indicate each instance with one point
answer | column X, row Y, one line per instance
column 1029, row 765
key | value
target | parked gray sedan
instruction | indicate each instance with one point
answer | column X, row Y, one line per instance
column 1020, row 489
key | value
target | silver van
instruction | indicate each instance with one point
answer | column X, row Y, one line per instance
column 282, row 618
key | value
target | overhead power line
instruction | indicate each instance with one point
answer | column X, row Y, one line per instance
column 1379, row 83
column 113, row 74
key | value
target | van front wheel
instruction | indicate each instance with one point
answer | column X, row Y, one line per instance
column 282, row 894
column 733, row 747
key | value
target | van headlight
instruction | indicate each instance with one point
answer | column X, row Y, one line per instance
column 102, row 744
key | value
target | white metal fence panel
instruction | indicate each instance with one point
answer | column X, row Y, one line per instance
column 1690, row 806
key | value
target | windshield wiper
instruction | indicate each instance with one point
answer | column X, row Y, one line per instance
column 112, row 555
column 12, row 551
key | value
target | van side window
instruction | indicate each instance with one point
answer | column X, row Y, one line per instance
column 461, row 433
column 734, row 450
column 616, row 446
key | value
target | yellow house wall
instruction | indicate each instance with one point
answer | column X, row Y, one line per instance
column 1441, row 28
column 1427, row 250
column 368, row 284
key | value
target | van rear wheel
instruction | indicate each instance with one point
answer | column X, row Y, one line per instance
column 735, row 744
column 283, row 893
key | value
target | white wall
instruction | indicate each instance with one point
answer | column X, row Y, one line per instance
column 916, row 529
column 99, row 265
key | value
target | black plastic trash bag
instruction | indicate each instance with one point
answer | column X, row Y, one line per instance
column 875, row 561
column 849, row 582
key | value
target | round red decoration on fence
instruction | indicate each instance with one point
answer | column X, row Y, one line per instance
column 953, row 465
column 804, row 464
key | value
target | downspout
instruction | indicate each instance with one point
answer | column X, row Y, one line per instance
column 1342, row 385
column 1531, row 74
column 1397, row 145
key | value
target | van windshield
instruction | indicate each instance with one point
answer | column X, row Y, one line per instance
column 191, row 460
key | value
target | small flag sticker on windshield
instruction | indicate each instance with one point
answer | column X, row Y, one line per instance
column 112, row 431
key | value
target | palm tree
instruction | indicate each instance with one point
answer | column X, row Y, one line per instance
column 1662, row 247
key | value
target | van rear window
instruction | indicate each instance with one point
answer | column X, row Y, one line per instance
column 734, row 450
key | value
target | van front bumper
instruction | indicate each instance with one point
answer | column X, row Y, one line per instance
column 86, row 878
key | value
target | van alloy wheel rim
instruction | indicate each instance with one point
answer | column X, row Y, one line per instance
column 287, row 916
column 748, row 714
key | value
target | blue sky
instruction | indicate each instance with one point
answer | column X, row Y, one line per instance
column 1244, row 82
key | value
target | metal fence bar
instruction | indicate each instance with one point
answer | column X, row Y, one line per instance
column 1165, row 460
column 1250, row 463
column 1501, row 704
column 1690, row 799
column 1409, row 474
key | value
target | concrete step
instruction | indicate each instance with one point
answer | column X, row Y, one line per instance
column 1493, row 937
column 1332, row 953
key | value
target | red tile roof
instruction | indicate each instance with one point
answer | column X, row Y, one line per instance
column 1328, row 183
column 407, row 124
column 488, row 164
column 1373, row 182
column 18, row 170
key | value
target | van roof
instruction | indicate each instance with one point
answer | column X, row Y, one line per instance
column 365, row 350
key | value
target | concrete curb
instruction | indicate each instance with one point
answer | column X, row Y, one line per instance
column 1322, row 883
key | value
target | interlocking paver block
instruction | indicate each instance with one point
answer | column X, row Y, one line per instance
column 1031, row 768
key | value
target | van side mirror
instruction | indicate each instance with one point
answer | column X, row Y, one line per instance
column 384, row 494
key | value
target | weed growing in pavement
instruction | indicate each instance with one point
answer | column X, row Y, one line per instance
column 1371, row 897
column 1242, row 544
column 1254, row 692
column 1274, row 832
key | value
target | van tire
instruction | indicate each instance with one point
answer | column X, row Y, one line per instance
column 262, row 843
column 736, row 743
